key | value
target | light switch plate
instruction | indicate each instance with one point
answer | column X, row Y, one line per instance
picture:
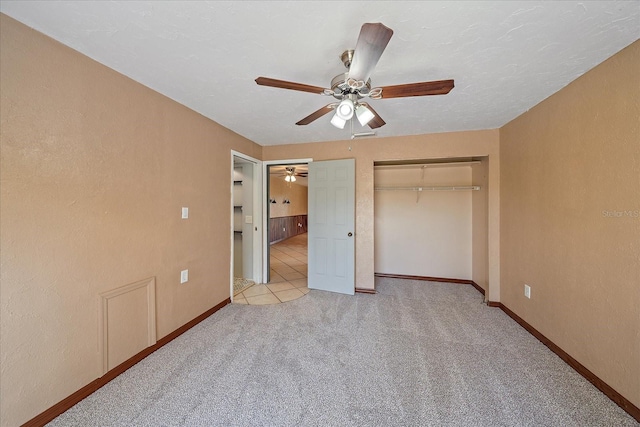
column 185, row 213
column 184, row 276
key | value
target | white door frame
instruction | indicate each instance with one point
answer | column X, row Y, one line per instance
column 263, row 203
column 258, row 201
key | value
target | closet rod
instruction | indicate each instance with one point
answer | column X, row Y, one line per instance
column 427, row 165
column 441, row 188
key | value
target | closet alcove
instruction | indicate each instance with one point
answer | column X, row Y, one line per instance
column 431, row 218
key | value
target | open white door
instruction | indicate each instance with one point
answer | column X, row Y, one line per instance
column 331, row 226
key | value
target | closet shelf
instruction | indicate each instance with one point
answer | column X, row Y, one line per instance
column 437, row 188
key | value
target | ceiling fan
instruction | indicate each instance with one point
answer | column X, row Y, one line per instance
column 352, row 87
column 290, row 174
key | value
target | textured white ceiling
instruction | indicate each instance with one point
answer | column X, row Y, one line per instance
column 505, row 56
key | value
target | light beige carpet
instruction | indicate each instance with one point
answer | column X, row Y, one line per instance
column 414, row 354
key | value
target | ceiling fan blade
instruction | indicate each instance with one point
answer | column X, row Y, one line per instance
column 283, row 84
column 377, row 121
column 371, row 43
column 439, row 87
column 316, row 115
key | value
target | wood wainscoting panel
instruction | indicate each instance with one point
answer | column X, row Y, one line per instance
column 281, row 228
column 127, row 322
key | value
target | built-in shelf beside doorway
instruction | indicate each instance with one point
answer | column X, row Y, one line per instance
column 237, row 228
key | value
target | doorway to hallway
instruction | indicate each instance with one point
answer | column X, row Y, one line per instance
column 286, row 211
column 288, row 275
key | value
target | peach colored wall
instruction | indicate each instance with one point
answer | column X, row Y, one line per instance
column 417, row 147
column 570, row 192
column 95, row 168
column 279, row 190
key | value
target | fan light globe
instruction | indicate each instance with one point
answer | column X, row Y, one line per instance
column 338, row 122
column 345, row 109
column 364, row 115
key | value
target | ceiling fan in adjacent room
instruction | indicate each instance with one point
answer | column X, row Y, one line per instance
column 354, row 86
column 290, row 173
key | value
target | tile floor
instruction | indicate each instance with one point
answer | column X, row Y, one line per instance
column 288, row 279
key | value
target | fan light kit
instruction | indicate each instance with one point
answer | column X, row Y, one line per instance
column 351, row 87
column 291, row 175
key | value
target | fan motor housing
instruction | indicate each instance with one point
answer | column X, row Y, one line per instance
column 340, row 87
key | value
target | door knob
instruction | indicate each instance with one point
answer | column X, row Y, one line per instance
column 350, row 234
